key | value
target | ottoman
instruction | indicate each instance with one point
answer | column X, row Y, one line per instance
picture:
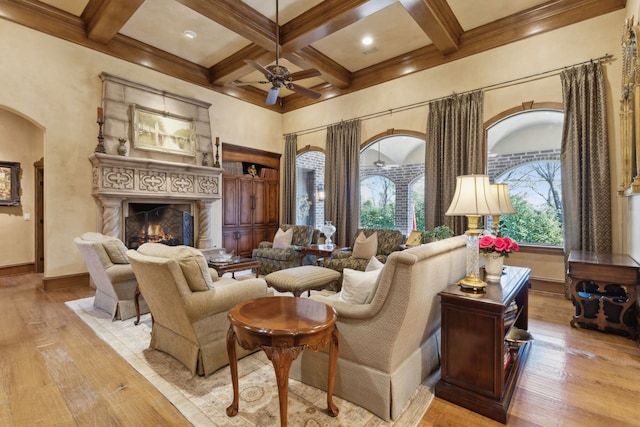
column 300, row 279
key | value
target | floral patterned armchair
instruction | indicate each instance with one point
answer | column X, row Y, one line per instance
column 388, row 241
column 278, row 259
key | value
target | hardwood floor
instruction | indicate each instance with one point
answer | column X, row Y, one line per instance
column 55, row 371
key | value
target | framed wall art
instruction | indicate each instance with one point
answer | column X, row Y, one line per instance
column 9, row 183
column 161, row 131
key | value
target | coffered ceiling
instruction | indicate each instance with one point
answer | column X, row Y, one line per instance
column 407, row 36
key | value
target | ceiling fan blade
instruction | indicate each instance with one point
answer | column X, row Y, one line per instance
column 272, row 96
column 304, row 74
column 304, row 91
column 259, row 67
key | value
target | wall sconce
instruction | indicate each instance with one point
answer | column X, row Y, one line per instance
column 320, row 193
column 473, row 198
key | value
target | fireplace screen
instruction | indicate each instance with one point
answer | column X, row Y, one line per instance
column 160, row 225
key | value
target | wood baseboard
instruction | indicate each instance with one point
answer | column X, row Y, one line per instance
column 12, row 270
column 64, row 282
column 544, row 285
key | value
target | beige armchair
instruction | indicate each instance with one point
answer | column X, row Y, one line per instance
column 189, row 304
column 390, row 345
column 106, row 260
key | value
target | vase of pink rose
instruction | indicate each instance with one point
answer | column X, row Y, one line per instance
column 496, row 249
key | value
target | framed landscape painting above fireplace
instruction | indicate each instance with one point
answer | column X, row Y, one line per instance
column 9, row 183
column 161, row 131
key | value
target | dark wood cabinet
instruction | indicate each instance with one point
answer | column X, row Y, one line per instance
column 250, row 213
column 478, row 370
column 604, row 291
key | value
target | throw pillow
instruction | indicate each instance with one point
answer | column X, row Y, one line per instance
column 116, row 250
column 357, row 286
column 283, row 239
column 365, row 247
column 374, row 264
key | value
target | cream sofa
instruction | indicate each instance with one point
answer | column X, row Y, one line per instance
column 189, row 304
column 390, row 345
column 106, row 260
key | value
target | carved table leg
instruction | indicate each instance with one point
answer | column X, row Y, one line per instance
column 333, row 361
column 232, row 410
column 281, row 358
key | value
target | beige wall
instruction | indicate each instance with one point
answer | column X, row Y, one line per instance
column 21, row 142
column 55, row 85
column 631, row 205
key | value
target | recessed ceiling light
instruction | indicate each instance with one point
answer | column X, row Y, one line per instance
column 190, row 34
column 367, row 40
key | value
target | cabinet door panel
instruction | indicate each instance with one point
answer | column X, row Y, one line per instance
column 245, row 244
column 259, row 202
column 230, row 205
column 246, row 202
column 272, row 214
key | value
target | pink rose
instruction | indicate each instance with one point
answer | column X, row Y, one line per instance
column 514, row 246
column 501, row 244
column 486, row 242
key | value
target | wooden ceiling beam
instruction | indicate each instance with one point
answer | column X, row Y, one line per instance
column 234, row 67
column 324, row 19
column 104, row 19
column 238, row 17
column 438, row 22
column 332, row 72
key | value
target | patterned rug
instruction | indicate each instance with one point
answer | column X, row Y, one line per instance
column 203, row 401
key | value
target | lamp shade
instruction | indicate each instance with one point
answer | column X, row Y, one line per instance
column 473, row 196
column 501, row 193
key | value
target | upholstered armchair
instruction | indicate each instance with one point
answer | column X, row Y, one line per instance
column 189, row 304
column 388, row 242
column 108, row 265
column 391, row 342
column 274, row 259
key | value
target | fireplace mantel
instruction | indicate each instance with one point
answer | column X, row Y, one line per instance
column 119, row 178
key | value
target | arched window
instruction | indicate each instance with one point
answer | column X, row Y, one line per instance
column 392, row 183
column 524, row 152
column 310, row 188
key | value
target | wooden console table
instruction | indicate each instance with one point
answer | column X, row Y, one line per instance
column 478, row 370
column 603, row 287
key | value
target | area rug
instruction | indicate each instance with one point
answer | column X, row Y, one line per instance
column 203, row 401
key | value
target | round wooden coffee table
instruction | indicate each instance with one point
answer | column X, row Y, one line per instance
column 282, row 327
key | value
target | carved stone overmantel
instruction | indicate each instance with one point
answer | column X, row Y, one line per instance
column 117, row 179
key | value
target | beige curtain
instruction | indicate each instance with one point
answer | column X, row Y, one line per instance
column 454, row 147
column 586, row 189
column 342, row 180
column 289, row 179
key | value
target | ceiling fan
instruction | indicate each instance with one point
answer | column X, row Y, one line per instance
column 381, row 163
column 279, row 76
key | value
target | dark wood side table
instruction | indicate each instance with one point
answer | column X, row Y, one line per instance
column 473, row 369
column 319, row 251
column 233, row 266
column 603, row 287
column 282, row 327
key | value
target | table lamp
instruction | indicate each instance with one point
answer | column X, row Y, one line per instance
column 501, row 193
column 473, row 198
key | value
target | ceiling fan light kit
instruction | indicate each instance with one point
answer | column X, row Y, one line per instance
column 279, row 76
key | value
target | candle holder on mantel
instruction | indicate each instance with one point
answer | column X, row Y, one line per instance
column 217, row 162
column 100, row 147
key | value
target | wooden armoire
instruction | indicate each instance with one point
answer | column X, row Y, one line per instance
column 250, row 197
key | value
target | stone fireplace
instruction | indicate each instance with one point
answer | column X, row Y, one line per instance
column 170, row 224
column 121, row 182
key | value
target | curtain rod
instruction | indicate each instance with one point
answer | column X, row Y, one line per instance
column 604, row 58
